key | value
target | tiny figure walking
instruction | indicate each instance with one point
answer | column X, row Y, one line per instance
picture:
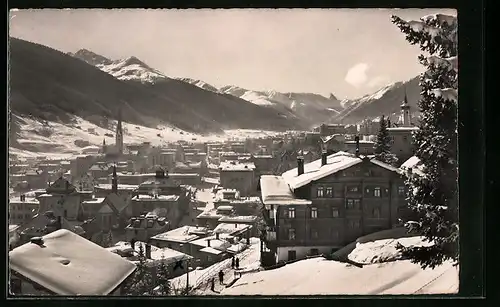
column 212, row 284
column 221, row 277
column 237, row 263
column 232, row 262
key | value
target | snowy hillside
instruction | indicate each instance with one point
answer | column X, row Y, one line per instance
column 37, row 138
column 385, row 101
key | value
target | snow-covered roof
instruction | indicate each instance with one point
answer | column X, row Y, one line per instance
column 68, row 264
column 402, row 129
column 236, row 166
column 360, row 142
column 238, row 218
column 326, row 139
column 144, row 197
column 314, row 170
column 263, row 156
column 211, row 214
column 385, row 165
column 211, row 250
column 182, row 234
column 97, row 200
column 275, row 191
column 318, row 276
column 414, row 164
column 121, row 187
column 225, row 208
column 214, row 243
column 231, row 229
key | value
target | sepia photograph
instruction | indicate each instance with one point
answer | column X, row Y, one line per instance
column 232, row 152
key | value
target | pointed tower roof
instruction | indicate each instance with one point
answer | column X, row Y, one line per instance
column 119, row 125
column 405, row 101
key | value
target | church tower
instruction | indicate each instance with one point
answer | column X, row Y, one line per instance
column 405, row 112
column 103, row 149
column 114, row 181
column 119, row 134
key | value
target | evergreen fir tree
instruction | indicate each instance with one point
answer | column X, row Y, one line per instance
column 141, row 281
column 433, row 196
column 162, row 279
column 383, row 145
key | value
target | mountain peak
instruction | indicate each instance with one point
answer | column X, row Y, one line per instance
column 132, row 60
column 90, row 57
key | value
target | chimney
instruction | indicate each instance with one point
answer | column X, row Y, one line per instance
column 357, row 145
column 300, row 165
column 323, row 157
column 216, row 236
column 148, row 251
column 208, row 243
column 37, row 240
column 132, row 244
column 59, row 223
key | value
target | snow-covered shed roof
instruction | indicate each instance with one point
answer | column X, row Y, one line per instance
column 182, row 234
column 68, row 264
column 314, row 170
column 275, row 191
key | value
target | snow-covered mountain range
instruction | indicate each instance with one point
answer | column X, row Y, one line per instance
column 310, row 108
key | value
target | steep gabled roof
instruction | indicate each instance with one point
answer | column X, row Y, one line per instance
column 314, row 170
column 68, row 264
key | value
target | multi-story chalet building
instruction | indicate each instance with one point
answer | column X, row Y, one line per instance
column 326, row 204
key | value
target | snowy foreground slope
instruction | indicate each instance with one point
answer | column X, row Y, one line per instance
column 37, row 139
column 382, row 274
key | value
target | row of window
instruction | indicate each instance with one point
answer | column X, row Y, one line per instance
column 21, row 217
column 327, row 192
column 352, row 204
column 334, row 233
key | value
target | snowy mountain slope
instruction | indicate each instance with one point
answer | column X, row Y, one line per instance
column 199, row 83
column 201, row 99
column 35, row 137
column 385, row 101
column 309, row 107
column 52, row 85
column 132, row 69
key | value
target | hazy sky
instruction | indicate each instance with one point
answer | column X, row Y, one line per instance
column 347, row 52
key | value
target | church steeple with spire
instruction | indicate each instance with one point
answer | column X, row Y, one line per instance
column 405, row 110
column 119, row 133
